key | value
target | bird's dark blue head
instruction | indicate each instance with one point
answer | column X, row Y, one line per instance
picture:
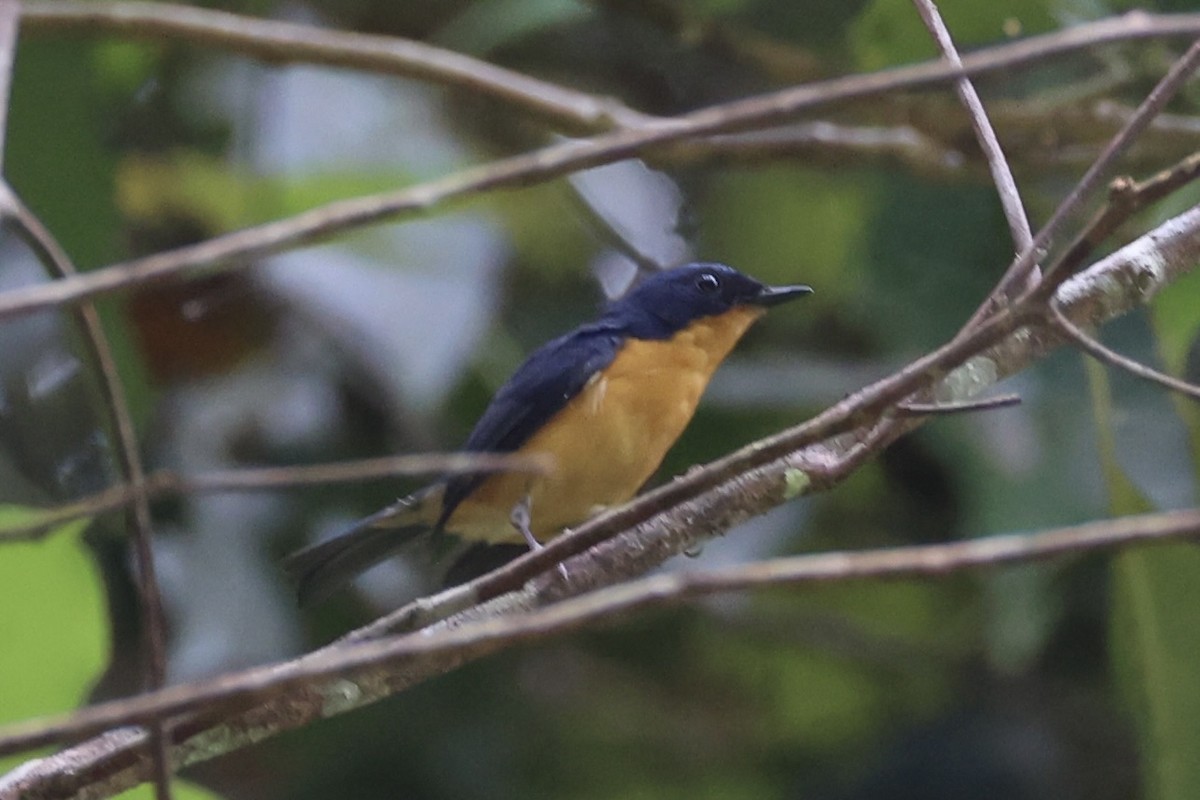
column 671, row 300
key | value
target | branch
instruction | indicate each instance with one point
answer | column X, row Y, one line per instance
column 287, row 42
column 1126, row 197
column 1022, row 268
column 112, row 394
column 1108, row 356
column 1002, row 177
column 167, row 483
column 238, row 249
column 824, row 142
column 362, row 662
column 1129, row 277
column 961, row 406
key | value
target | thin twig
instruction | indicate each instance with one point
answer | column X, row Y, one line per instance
column 103, row 765
column 1126, row 197
column 1176, row 244
column 824, row 142
column 960, row 407
column 347, row 662
column 1002, row 177
column 1018, row 273
column 1111, row 357
column 238, row 249
column 166, row 483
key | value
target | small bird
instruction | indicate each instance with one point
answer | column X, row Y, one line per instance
column 602, row 403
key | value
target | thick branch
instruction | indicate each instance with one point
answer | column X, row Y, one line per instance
column 1127, row 278
column 356, row 662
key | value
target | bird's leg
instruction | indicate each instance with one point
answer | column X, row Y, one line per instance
column 521, row 518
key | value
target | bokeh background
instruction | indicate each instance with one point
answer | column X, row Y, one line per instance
column 1064, row 680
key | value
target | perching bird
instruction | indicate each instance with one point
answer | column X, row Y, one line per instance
column 604, row 402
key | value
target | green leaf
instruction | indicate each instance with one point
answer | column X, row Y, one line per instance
column 1155, row 649
column 54, row 636
column 1123, row 496
column 1155, row 643
column 1176, row 319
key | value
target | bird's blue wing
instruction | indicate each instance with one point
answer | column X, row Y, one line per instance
column 539, row 389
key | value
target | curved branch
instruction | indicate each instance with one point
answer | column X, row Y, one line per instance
column 114, row 761
column 138, row 523
column 355, row 663
column 288, row 42
column 1111, row 357
column 1022, row 268
column 241, row 247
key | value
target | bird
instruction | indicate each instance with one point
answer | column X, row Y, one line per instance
column 601, row 404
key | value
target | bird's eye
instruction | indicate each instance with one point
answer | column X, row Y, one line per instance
column 708, row 283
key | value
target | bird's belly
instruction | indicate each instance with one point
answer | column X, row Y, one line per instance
column 607, row 441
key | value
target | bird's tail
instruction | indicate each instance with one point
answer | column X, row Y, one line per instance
column 321, row 569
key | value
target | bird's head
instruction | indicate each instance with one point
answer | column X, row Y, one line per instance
column 669, row 301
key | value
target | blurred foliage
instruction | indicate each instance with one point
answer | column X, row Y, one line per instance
column 1156, row 642
column 1058, row 680
column 889, row 32
column 181, row 790
column 55, row 615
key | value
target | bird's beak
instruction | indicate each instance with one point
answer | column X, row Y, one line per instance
column 774, row 295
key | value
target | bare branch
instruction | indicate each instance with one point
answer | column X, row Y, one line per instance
column 1126, row 197
column 55, row 260
column 354, row 663
column 286, row 42
column 1002, row 177
column 609, row 233
column 165, row 483
column 1108, row 356
column 825, row 142
column 1018, row 273
column 243, row 246
column 964, row 406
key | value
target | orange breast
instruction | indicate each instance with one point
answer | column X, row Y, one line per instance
column 612, row 436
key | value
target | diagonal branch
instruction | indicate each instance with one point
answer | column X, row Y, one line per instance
column 1129, row 277
column 353, row 663
column 1109, row 356
column 241, row 247
column 1022, row 268
column 1002, row 177
column 288, row 42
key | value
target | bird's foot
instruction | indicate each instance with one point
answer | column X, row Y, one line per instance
column 521, row 518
